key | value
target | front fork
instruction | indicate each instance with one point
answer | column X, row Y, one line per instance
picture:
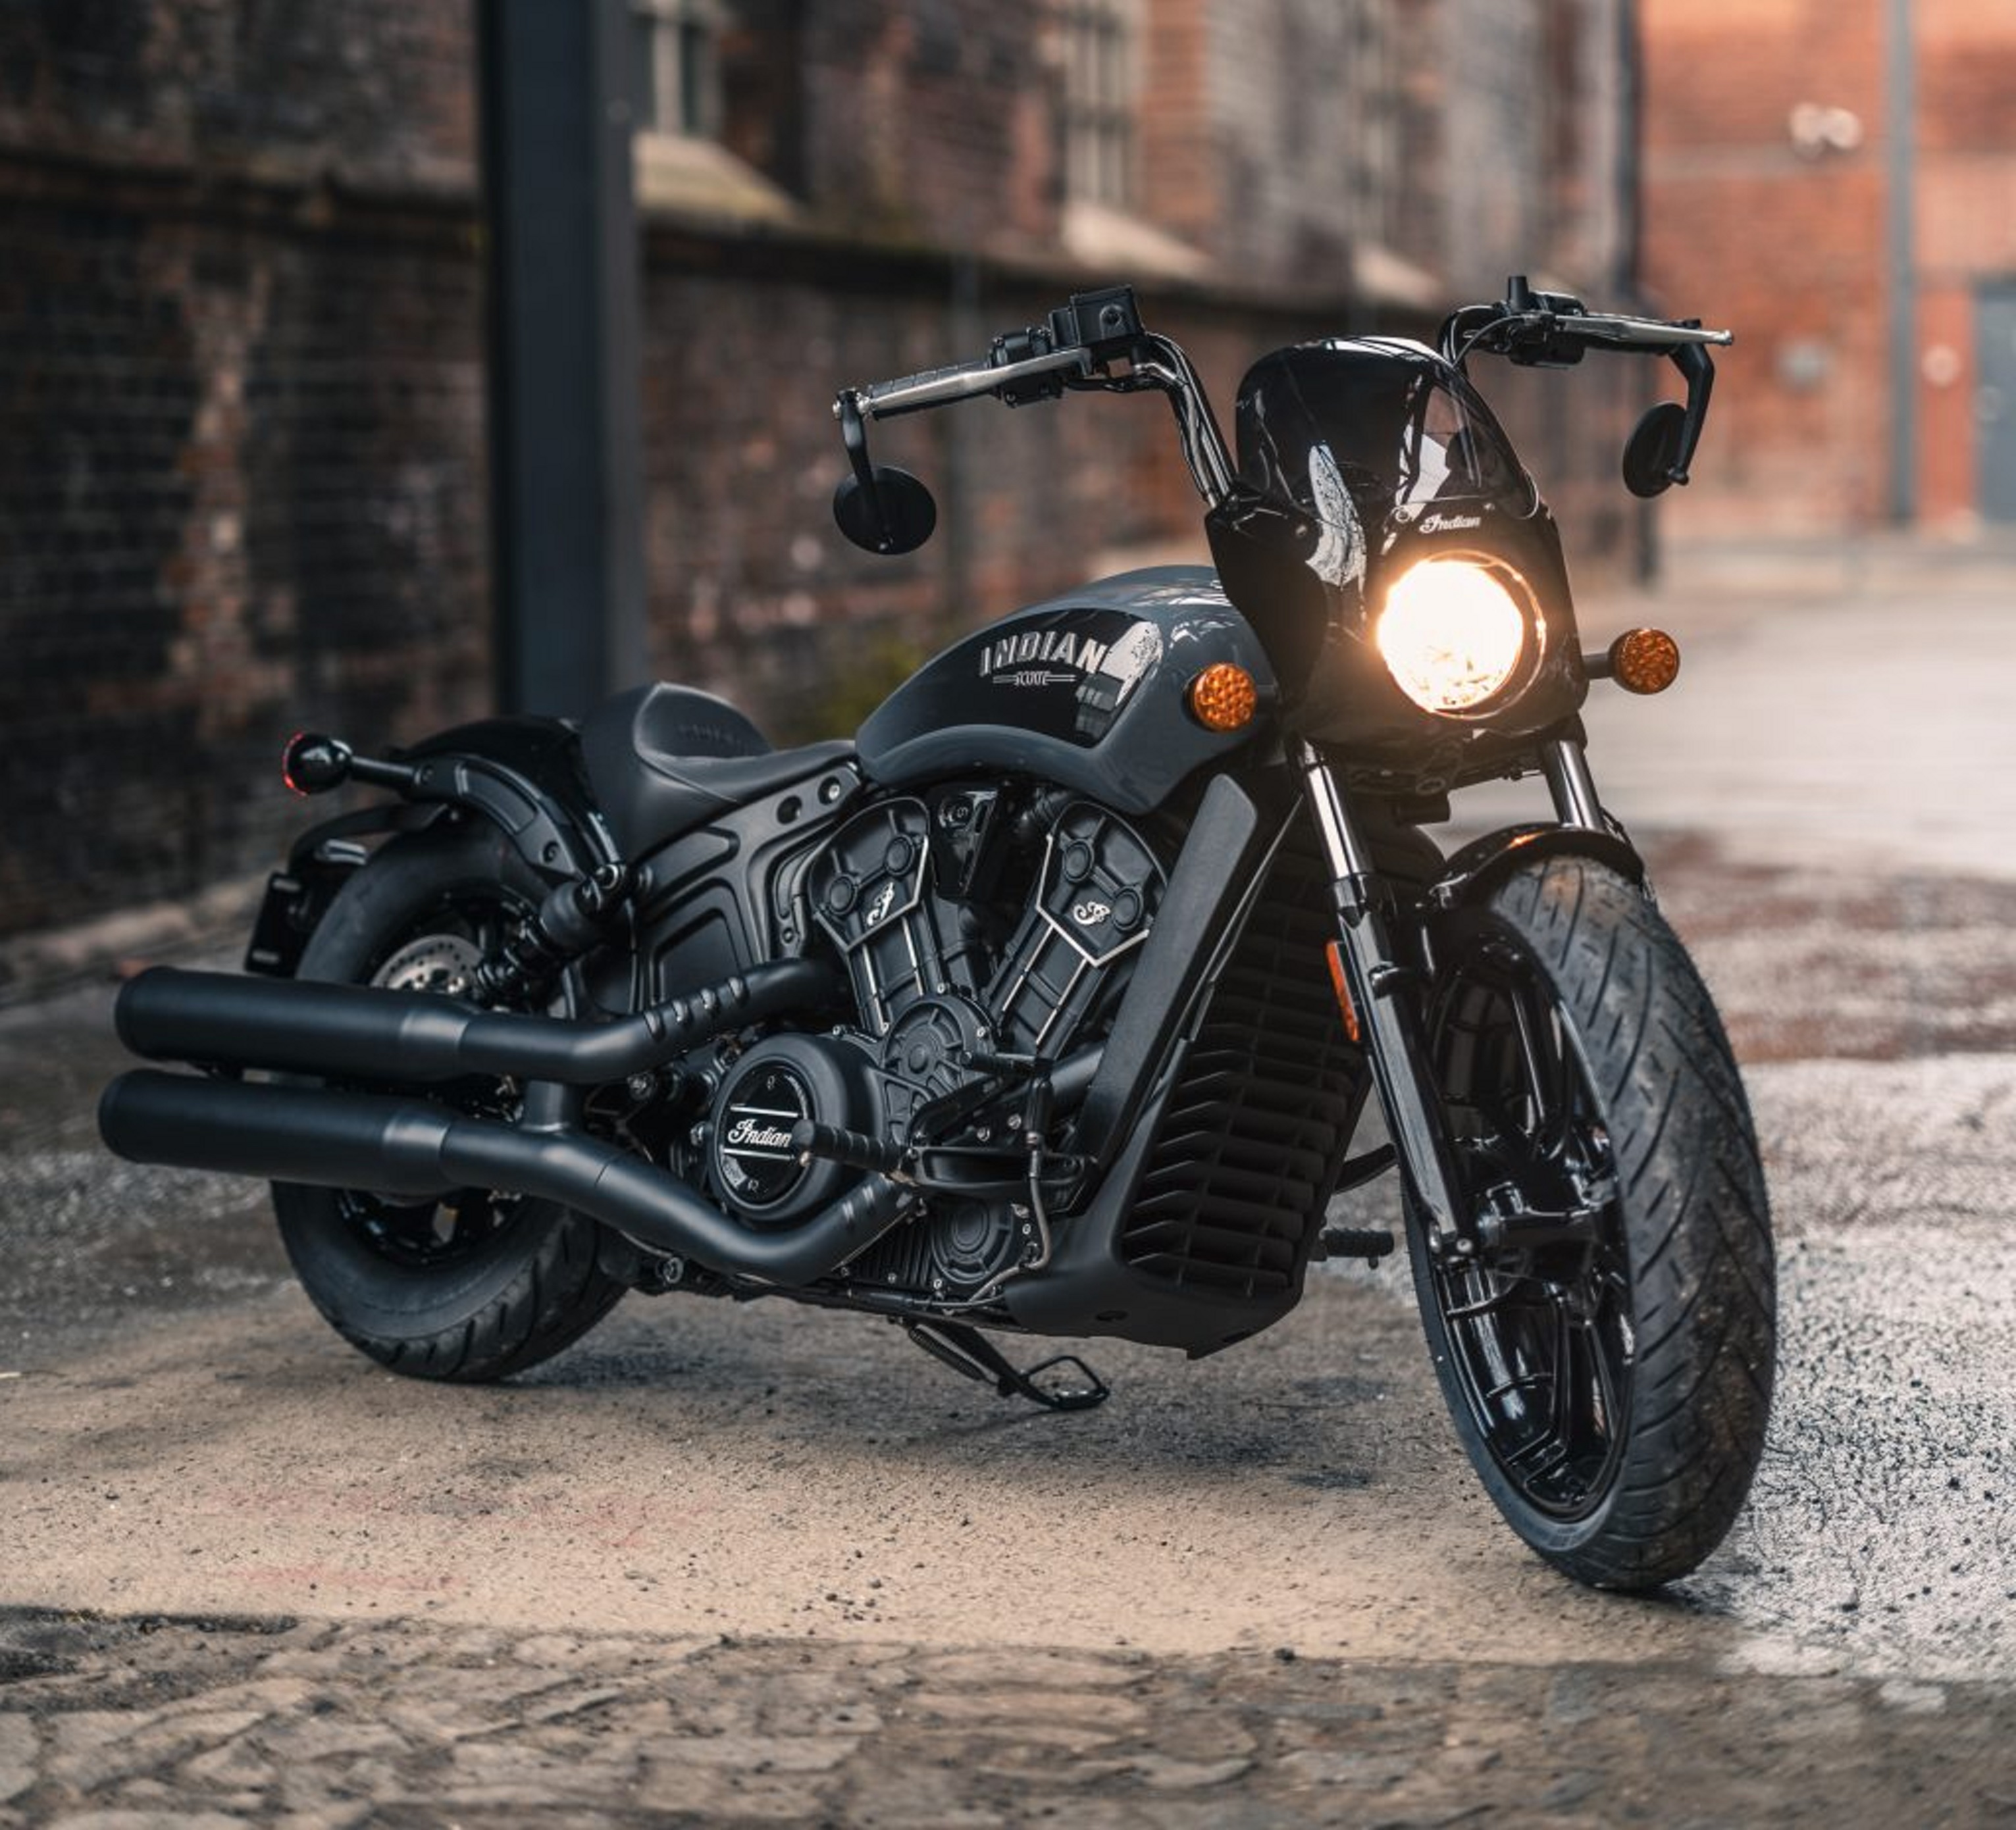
column 1380, row 982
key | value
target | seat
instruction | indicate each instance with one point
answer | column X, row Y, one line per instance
column 663, row 759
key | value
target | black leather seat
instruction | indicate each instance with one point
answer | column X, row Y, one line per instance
column 663, row 759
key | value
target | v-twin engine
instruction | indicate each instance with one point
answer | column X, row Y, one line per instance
column 981, row 933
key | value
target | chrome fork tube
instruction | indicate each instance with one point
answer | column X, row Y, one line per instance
column 1388, row 1023
column 1571, row 785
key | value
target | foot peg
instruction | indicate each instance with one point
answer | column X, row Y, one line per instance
column 1371, row 1243
column 966, row 1351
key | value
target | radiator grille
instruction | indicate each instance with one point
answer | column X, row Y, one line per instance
column 1249, row 1146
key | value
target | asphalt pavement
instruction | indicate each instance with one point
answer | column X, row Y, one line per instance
column 1263, row 1588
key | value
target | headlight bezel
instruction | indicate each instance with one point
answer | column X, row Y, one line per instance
column 1526, row 662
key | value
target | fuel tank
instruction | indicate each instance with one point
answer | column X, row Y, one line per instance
column 1087, row 690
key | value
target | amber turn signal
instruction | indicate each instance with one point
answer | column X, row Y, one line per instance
column 1345, row 1008
column 1224, row 698
column 1644, row 660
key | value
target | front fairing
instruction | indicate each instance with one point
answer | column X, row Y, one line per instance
column 1356, row 460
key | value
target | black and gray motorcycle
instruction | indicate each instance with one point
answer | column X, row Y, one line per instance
column 1053, row 1002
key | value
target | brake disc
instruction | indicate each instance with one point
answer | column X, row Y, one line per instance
column 442, row 963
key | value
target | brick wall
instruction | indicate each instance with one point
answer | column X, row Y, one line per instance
column 242, row 481
column 1788, row 246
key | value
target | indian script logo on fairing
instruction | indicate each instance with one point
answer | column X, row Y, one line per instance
column 1036, row 658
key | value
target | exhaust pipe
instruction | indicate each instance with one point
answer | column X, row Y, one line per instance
column 302, row 1026
column 410, row 1147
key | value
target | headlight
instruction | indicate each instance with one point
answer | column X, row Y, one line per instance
column 1452, row 634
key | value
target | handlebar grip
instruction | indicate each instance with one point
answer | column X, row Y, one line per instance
column 875, row 393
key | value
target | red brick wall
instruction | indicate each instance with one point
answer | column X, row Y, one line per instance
column 1790, row 250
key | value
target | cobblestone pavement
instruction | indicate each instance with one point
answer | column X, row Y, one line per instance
column 190, row 1724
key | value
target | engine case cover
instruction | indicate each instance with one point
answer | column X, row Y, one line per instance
column 783, row 1081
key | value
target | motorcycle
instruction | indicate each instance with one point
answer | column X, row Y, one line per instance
column 1053, row 1002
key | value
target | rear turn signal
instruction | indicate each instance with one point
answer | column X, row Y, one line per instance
column 312, row 763
column 1643, row 660
column 1224, row 698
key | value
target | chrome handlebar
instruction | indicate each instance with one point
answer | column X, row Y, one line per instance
column 962, row 381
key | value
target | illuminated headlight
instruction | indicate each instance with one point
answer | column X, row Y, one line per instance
column 1452, row 634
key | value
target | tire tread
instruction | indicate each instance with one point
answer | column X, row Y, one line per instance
column 1696, row 1222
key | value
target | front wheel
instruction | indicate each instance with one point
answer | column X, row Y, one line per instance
column 1606, row 1342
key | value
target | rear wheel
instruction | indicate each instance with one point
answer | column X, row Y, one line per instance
column 478, row 1284
column 1607, row 1348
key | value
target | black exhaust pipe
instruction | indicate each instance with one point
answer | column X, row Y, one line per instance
column 363, row 1032
column 410, row 1147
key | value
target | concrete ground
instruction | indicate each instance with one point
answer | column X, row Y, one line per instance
column 765, row 1563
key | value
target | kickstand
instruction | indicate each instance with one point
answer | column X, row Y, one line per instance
column 967, row 1350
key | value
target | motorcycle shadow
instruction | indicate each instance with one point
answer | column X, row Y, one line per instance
column 1334, row 1399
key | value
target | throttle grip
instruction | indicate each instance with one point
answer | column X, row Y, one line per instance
column 954, row 370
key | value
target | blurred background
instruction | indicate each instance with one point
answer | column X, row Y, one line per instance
column 373, row 365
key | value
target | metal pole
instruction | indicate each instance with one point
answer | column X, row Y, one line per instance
column 566, row 434
column 1630, row 205
column 1900, row 65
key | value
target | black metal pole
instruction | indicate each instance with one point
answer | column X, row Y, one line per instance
column 566, row 429
column 1630, row 250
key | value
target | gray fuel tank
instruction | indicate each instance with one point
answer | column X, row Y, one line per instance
column 1086, row 690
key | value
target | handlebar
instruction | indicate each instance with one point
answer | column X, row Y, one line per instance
column 962, row 381
column 1095, row 340
column 1555, row 330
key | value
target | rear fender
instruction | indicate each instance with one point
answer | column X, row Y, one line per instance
column 318, row 863
column 523, row 774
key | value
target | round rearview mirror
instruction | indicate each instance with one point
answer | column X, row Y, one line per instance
column 1653, row 449
column 892, row 513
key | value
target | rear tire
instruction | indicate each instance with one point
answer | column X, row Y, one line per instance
column 474, row 1287
column 1611, row 1389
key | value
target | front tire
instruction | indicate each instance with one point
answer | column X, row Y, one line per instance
column 1609, row 1375
column 475, row 1286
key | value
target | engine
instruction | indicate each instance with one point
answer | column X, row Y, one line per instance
column 976, row 925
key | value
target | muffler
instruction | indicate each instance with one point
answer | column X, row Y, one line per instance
column 411, row 1147
column 301, row 1026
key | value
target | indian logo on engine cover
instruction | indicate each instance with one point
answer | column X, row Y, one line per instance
column 753, row 1154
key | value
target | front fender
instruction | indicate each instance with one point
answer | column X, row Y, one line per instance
column 1472, row 874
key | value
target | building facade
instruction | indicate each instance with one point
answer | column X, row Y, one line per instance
column 1779, row 144
column 242, row 488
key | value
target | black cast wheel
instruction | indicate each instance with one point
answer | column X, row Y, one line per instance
column 1606, row 1343
column 478, row 1284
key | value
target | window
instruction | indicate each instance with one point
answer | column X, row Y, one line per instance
column 675, row 67
column 1099, row 48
